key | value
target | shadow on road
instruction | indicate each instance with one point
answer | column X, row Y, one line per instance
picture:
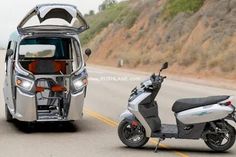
column 59, row 127
column 49, row 127
column 187, row 150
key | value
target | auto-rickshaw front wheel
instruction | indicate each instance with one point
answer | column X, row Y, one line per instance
column 8, row 115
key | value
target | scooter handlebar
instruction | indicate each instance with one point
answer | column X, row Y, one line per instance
column 157, row 79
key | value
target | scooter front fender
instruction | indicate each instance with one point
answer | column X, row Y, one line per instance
column 127, row 115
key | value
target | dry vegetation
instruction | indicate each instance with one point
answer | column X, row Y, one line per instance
column 196, row 36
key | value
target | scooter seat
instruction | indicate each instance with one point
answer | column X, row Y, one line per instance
column 190, row 103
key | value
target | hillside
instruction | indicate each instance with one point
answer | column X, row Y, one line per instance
column 197, row 37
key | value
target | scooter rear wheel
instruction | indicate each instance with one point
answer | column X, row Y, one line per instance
column 132, row 136
column 221, row 142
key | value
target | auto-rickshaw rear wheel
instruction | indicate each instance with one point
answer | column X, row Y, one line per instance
column 8, row 115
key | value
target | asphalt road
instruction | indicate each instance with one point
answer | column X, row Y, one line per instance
column 96, row 134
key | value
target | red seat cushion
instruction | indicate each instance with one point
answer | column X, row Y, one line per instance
column 60, row 66
column 32, row 67
column 39, row 89
column 55, row 67
column 58, row 88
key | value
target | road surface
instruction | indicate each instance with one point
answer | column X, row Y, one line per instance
column 96, row 134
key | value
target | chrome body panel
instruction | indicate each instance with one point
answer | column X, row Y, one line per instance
column 8, row 90
column 25, row 107
column 76, row 106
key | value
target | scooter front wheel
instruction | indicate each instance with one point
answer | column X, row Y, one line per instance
column 133, row 136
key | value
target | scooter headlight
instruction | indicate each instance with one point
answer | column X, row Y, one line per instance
column 24, row 83
column 79, row 83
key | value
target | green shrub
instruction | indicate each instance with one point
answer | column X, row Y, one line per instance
column 101, row 20
column 173, row 7
column 140, row 35
column 227, row 63
column 120, row 13
column 131, row 18
column 107, row 4
column 188, row 58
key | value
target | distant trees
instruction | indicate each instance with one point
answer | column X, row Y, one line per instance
column 91, row 12
column 107, row 4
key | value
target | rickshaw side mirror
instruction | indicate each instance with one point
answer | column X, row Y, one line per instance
column 88, row 52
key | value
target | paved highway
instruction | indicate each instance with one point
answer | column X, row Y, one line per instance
column 96, row 134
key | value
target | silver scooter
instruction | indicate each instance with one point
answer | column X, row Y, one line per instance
column 197, row 118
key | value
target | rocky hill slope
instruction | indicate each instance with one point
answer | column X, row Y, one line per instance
column 197, row 37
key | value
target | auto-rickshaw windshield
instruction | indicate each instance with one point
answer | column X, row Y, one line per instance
column 37, row 51
column 55, row 48
column 57, row 55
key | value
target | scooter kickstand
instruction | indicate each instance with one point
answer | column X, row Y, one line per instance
column 158, row 143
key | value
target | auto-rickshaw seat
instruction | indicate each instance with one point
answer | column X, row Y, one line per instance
column 47, row 66
column 39, row 89
column 55, row 88
column 58, row 88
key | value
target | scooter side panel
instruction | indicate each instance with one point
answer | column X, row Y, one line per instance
column 190, row 132
column 204, row 114
column 133, row 108
column 150, row 113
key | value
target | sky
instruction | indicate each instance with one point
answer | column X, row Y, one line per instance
column 12, row 12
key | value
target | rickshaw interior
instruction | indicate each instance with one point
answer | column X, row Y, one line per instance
column 51, row 61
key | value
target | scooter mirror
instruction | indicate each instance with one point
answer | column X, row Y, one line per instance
column 165, row 66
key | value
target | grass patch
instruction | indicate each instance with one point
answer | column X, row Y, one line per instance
column 188, row 58
column 100, row 21
column 173, row 7
column 130, row 19
column 120, row 13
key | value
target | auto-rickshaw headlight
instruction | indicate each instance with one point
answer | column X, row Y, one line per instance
column 24, row 83
column 80, row 83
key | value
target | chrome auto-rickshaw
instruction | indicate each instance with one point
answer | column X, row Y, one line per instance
column 46, row 77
